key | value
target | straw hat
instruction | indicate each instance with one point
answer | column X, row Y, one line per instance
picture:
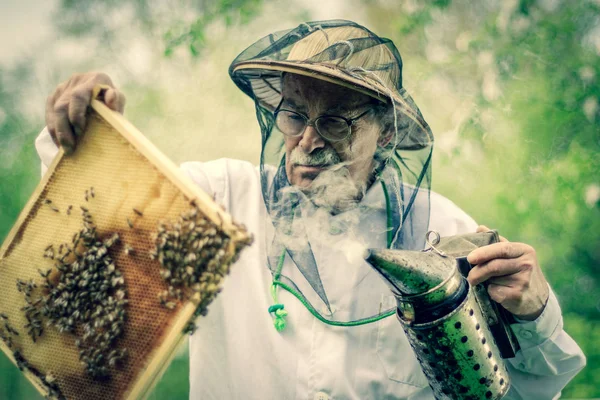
column 340, row 52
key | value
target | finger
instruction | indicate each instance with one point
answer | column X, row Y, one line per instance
column 80, row 99
column 115, row 100
column 64, row 133
column 496, row 250
column 520, row 281
column 509, row 297
column 483, row 228
column 497, row 267
column 50, row 117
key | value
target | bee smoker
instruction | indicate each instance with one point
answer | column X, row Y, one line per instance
column 459, row 335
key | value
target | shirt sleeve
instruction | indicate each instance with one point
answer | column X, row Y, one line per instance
column 549, row 358
column 46, row 149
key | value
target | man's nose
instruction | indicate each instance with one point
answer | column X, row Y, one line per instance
column 311, row 140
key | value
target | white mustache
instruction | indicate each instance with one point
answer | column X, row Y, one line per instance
column 321, row 157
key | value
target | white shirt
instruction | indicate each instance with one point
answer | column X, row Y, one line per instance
column 238, row 354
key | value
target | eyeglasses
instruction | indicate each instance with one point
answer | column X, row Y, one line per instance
column 332, row 128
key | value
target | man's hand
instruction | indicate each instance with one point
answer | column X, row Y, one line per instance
column 515, row 278
column 66, row 107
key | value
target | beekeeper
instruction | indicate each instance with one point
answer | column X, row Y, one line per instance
column 345, row 165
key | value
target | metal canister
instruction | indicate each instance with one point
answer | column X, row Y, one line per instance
column 445, row 326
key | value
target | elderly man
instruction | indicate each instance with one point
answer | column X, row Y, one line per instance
column 345, row 163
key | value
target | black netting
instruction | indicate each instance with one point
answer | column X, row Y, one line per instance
column 349, row 55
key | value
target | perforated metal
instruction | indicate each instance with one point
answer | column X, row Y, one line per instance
column 122, row 180
column 458, row 354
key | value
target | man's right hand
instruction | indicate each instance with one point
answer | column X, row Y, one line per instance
column 66, row 107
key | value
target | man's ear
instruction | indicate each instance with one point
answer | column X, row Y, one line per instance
column 387, row 126
column 385, row 137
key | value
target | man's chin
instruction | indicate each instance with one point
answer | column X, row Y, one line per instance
column 333, row 191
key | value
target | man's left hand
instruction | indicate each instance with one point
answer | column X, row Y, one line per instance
column 514, row 275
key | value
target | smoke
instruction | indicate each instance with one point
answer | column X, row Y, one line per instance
column 335, row 190
column 323, row 156
column 329, row 210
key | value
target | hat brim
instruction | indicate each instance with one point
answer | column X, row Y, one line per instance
column 317, row 71
column 257, row 69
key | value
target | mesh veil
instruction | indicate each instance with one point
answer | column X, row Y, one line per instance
column 347, row 54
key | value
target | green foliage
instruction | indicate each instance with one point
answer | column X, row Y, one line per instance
column 525, row 162
column 194, row 35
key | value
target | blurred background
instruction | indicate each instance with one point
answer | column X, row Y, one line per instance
column 510, row 88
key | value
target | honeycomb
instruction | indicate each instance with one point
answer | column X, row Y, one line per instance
column 125, row 174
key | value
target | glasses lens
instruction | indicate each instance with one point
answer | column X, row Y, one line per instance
column 333, row 128
column 290, row 123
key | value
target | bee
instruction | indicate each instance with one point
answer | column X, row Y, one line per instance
column 50, row 379
column 10, row 329
column 129, row 250
column 92, row 192
column 138, row 212
column 52, row 207
column 4, row 316
column 49, row 253
column 190, row 328
column 69, row 208
column 112, row 240
column 129, row 223
column 86, row 195
column 165, row 273
column 21, row 362
column 44, row 274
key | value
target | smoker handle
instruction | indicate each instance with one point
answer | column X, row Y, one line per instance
column 498, row 318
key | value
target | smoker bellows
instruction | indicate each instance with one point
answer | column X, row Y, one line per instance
column 446, row 323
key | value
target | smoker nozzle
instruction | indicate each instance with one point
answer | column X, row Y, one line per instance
column 410, row 272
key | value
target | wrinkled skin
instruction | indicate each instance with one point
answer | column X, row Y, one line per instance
column 66, row 106
column 515, row 278
column 512, row 269
column 313, row 98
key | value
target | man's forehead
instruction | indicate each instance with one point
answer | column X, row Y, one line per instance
column 303, row 92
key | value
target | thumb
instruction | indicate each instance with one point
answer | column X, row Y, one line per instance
column 482, row 228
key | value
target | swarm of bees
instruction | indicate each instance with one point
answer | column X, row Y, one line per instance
column 194, row 256
column 7, row 332
column 84, row 295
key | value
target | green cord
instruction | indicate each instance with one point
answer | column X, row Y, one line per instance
column 277, row 309
column 316, row 314
column 388, row 215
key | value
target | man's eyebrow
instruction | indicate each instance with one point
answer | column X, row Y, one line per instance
column 293, row 104
column 340, row 108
